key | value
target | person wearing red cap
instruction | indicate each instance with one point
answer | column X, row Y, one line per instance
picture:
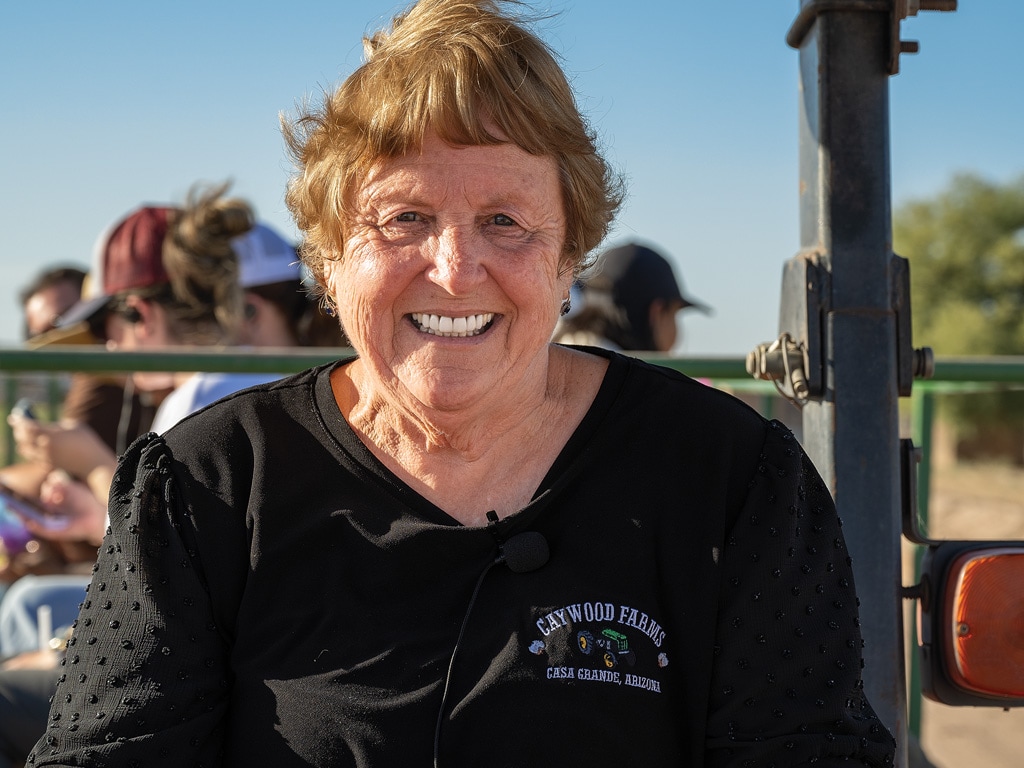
column 51, row 575
column 165, row 277
column 97, row 405
column 162, row 277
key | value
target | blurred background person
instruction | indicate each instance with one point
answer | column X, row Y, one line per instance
column 114, row 413
column 277, row 305
column 167, row 277
column 630, row 302
column 277, row 311
column 272, row 301
column 170, row 278
column 106, row 403
column 54, row 291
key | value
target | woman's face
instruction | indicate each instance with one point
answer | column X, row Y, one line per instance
column 449, row 285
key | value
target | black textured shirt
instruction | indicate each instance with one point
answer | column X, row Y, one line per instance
column 270, row 595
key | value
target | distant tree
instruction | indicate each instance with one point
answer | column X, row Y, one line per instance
column 966, row 252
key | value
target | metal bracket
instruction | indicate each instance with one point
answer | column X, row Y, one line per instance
column 910, row 457
column 782, row 362
column 794, row 360
column 910, row 363
column 806, row 299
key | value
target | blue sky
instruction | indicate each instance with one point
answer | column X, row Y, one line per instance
column 110, row 104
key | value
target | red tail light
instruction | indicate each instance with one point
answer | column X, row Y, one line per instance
column 971, row 623
column 985, row 609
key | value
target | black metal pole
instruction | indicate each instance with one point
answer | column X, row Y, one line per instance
column 851, row 427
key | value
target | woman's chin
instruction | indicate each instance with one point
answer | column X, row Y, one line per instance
column 449, row 394
column 443, row 385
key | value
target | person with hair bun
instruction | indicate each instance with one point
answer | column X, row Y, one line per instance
column 167, row 277
column 465, row 545
column 272, row 306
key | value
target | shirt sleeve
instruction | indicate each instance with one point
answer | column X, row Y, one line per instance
column 145, row 678
column 786, row 684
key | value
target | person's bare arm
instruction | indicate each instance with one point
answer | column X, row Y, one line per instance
column 25, row 477
column 74, row 448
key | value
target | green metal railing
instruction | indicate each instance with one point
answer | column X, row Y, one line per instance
column 975, row 370
column 727, row 371
column 951, row 375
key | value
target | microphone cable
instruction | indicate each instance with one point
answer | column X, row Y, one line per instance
column 529, row 551
column 451, row 660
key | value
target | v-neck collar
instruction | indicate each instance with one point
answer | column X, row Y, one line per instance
column 565, row 466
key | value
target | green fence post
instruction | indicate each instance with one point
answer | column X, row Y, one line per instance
column 922, row 415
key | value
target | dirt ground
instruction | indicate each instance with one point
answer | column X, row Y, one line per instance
column 972, row 501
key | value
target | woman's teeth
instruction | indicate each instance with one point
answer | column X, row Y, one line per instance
column 441, row 325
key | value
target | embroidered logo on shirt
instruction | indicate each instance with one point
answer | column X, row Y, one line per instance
column 602, row 642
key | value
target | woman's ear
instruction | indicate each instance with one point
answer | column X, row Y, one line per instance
column 332, row 274
column 332, row 268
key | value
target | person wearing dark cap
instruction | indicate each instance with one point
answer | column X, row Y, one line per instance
column 629, row 303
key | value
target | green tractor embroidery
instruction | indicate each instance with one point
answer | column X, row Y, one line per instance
column 611, row 646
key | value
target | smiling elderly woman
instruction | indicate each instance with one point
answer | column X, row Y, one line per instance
column 465, row 545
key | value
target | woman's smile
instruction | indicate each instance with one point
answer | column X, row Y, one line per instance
column 452, row 327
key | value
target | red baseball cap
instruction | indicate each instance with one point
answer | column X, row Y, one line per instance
column 127, row 256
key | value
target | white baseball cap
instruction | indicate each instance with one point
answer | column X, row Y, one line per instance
column 264, row 257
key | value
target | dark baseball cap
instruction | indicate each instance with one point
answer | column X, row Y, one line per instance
column 635, row 275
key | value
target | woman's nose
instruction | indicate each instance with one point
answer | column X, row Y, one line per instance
column 456, row 265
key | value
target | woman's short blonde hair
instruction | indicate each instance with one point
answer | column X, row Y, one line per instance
column 456, row 68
